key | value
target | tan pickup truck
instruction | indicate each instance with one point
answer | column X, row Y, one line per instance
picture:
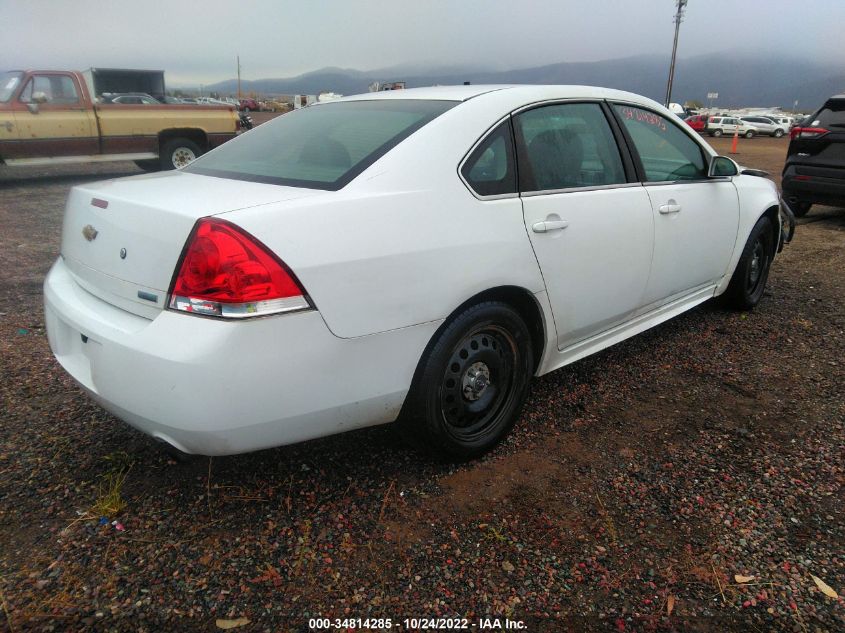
column 48, row 117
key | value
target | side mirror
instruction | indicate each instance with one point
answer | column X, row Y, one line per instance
column 39, row 97
column 722, row 167
column 32, row 107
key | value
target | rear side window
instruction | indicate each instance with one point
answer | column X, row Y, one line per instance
column 666, row 152
column 322, row 146
column 490, row 169
column 565, row 146
column 831, row 115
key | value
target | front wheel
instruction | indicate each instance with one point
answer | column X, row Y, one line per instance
column 779, row 132
column 749, row 134
column 717, row 133
column 470, row 386
column 749, row 279
column 179, row 152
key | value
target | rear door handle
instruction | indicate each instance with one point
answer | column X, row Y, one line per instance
column 549, row 225
column 670, row 207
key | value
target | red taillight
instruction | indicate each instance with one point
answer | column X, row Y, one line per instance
column 224, row 271
column 807, row 132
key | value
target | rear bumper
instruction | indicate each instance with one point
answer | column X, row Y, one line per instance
column 818, row 186
column 213, row 387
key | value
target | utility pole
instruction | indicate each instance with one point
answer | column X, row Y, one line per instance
column 239, row 77
column 679, row 17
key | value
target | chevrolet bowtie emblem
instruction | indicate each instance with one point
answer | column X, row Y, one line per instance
column 90, row 232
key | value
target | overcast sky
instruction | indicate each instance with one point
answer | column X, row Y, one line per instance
column 196, row 41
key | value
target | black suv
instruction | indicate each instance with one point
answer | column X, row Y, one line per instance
column 814, row 172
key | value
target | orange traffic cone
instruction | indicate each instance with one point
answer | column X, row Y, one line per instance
column 736, row 138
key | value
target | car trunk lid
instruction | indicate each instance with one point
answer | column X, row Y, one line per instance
column 122, row 238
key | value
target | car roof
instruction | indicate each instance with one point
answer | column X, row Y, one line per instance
column 522, row 92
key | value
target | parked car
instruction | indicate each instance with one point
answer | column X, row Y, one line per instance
column 814, row 172
column 249, row 105
column 719, row 125
column 767, row 126
column 697, row 122
column 134, row 99
column 49, row 117
column 416, row 254
column 787, row 122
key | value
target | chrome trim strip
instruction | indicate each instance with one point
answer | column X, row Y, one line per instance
column 622, row 185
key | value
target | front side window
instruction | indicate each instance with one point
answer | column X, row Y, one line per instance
column 666, row 152
column 58, row 89
column 322, row 146
column 490, row 169
column 568, row 145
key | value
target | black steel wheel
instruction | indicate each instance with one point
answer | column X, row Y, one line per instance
column 749, row 279
column 470, row 385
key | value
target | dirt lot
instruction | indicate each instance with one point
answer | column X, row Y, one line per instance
column 638, row 484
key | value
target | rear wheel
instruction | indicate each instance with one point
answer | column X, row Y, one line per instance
column 470, row 386
column 179, row 152
column 752, row 271
column 717, row 132
column 800, row 209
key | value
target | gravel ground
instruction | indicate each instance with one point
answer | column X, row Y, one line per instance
column 637, row 486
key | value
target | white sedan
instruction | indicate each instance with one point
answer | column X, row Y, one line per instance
column 415, row 255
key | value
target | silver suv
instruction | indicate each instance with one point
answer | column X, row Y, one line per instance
column 719, row 125
column 767, row 125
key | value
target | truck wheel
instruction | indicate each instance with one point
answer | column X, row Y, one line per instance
column 178, row 152
column 149, row 165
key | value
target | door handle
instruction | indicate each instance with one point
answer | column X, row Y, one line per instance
column 549, row 225
column 669, row 207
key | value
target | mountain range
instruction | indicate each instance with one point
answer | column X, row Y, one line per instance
column 739, row 79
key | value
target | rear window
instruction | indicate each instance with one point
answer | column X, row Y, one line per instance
column 321, row 146
column 831, row 115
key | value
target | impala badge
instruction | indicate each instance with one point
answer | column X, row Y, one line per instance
column 90, row 233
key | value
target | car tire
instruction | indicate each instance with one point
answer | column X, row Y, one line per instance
column 749, row 279
column 471, row 383
column 779, row 133
column 749, row 134
column 800, row 209
column 178, row 152
column 716, row 133
column 151, row 164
